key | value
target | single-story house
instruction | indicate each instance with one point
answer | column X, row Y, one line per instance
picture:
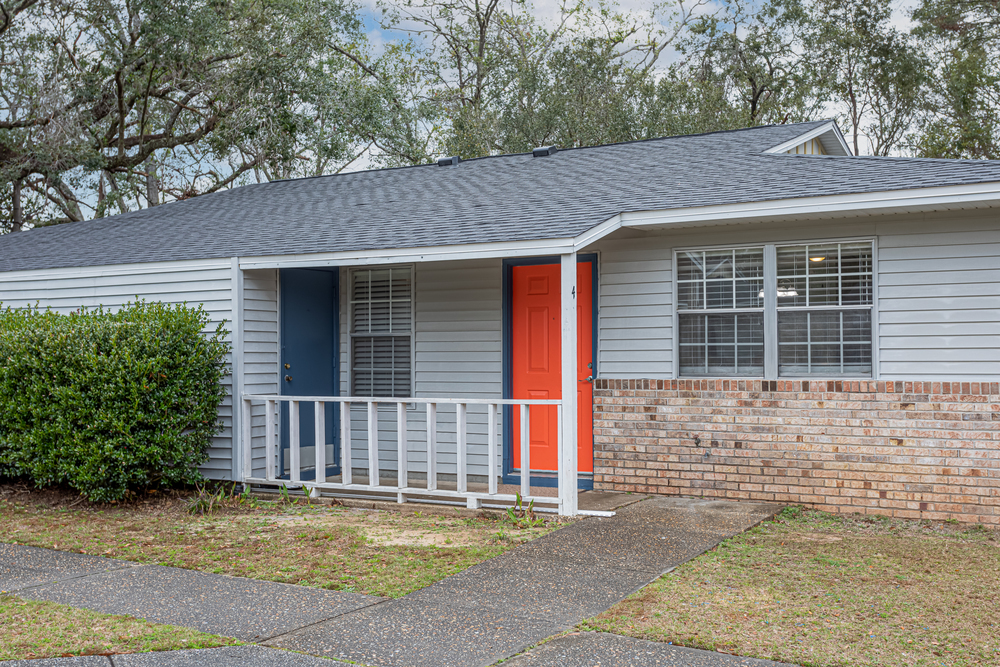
column 749, row 314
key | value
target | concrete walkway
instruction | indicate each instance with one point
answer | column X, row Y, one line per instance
column 486, row 613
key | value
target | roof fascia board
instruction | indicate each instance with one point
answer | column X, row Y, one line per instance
column 827, row 128
column 808, row 207
column 97, row 271
column 411, row 255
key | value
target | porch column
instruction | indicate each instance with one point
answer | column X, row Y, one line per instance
column 568, row 448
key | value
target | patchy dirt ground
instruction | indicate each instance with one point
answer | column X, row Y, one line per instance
column 365, row 551
column 822, row 590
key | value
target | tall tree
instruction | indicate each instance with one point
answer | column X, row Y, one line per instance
column 107, row 105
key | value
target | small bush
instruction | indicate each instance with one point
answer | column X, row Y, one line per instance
column 109, row 402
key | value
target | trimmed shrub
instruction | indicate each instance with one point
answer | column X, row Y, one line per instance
column 109, row 402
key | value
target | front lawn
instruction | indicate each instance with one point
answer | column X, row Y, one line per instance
column 46, row 629
column 817, row 589
column 365, row 551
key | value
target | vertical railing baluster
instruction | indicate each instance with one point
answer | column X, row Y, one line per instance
column 401, row 473
column 462, row 448
column 293, row 442
column 345, row 443
column 247, row 439
column 431, row 446
column 525, row 450
column 270, row 451
column 561, row 489
column 491, row 430
column 319, row 461
column 373, row 473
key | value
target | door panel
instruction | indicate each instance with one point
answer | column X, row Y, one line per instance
column 536, row 346
column 309, row 316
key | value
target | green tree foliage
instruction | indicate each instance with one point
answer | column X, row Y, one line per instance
column 963, row 105
column 107, row 105
column 109, row 402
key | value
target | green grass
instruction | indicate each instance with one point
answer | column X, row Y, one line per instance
column 823, row 590
column 46, row 629
column 388, row 554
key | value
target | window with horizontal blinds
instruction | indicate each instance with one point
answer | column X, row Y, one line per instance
column 381, row 332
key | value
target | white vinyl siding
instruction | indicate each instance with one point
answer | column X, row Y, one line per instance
column 208, row 282
column 939, row 298
column 635, row 308
column 260, row 349
column 458, row 353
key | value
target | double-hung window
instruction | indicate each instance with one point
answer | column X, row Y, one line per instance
column 381, row 332
column 776, row 311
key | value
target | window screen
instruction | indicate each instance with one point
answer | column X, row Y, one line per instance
column 720, row 307
column 825, row 309
column 381, row 331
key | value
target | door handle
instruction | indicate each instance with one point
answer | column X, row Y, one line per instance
column 288, row 378
column 589, row 378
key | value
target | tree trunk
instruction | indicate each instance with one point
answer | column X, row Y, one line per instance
column 152, row 184
column 17, row 218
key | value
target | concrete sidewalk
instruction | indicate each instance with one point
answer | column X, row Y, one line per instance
column 486, row 613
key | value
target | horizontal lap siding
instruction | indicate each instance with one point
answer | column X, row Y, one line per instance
column 205, row 282
column 458, row 354
column 635, row 308
column 260, row 349
column 939, row 298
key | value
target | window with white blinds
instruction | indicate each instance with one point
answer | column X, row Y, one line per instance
column 381, row 332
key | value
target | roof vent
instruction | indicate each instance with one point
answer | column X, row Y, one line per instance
column 544, row 151
column 451, row 161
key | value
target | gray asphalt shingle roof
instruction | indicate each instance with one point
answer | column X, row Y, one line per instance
column 504, row 198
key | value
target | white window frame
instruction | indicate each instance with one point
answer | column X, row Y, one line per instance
column 349, row 301
column 771, row 306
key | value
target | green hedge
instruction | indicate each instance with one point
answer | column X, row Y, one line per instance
column 109, row 402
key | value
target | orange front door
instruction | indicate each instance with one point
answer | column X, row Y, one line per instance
column 536, row 354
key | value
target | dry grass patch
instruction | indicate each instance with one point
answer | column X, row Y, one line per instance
column 46, row 630
column 821, row 590
column 365, row 551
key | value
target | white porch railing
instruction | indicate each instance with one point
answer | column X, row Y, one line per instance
column 403, row 489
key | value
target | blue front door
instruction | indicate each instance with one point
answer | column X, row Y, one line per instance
column 309, row 343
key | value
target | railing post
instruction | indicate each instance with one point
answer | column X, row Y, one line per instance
column 432, row 446
column 525, row 450
column 319, row 439
column 270, row 452
column 247, row 443
column 373, row 473
column 345, row 443
column 462, row 448
column 401, row 472
column 295, row 474
column 491, row 430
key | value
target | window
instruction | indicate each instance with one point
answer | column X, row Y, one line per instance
column 721, row 312
column 824, row 305
column 819, row 311
column 381, row 332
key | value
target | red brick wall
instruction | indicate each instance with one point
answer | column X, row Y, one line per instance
column 906, row 449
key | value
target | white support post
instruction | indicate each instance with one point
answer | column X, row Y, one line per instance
column 293, row 442
column 570, row 381
column 401, row 472
column 270, row 450
column 247, row 426
column 525, row 450
column 319, row 439
column 432, row 430
column 345, row 443
column 462, row 447
column 373, row 473
column 241, row 443
column 491, row 430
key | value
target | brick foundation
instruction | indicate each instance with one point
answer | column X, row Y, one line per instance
column 926, row 450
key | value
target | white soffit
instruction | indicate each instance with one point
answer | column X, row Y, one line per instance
column 828, row 134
